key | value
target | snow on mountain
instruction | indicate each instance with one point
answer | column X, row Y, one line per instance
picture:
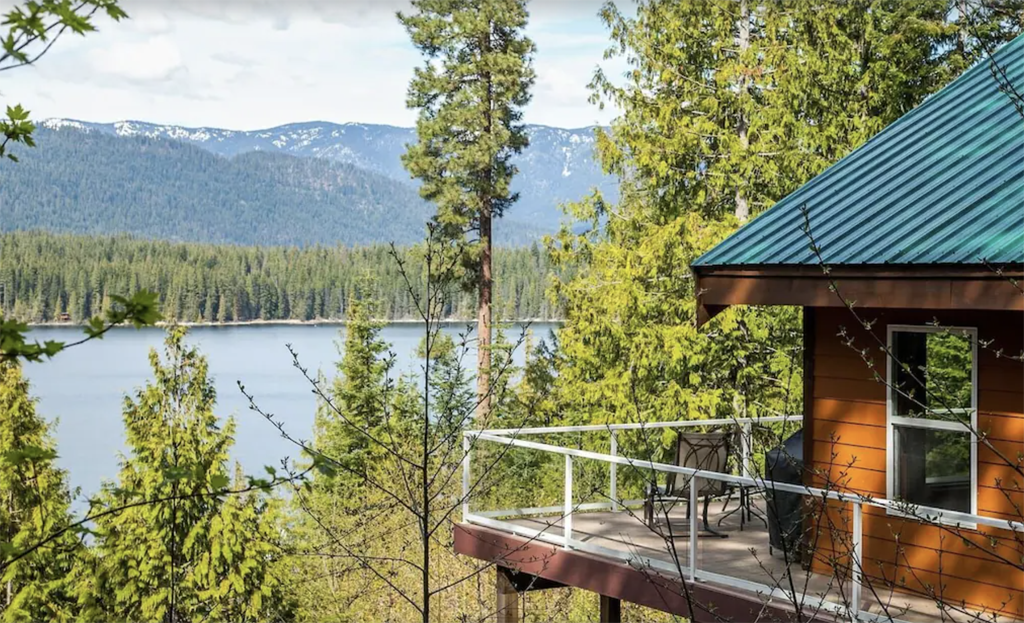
column 558, row 166
column 59, row 124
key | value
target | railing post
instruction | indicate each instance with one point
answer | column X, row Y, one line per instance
column 745, row 439
column 613, row 486
column 693, row 527
column 567, row 520
column 466, row 445
column 856, row 558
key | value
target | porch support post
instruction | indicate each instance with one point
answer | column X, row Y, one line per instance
column 611, row 610
column 613, row 469
column 507, row 602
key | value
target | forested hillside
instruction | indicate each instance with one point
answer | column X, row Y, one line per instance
column 559, row 164
column 45, row 275
column 92, row 183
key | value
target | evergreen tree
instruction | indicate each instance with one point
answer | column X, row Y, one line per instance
column 359, row 393
column 825, row 77
column 850, row 69
column 34, row 502
column 730, row 106
column 183, row 553
column 378, row 539
column 242, row 568
column 340, row 510
column 449, row 387
column 697, row 106
column 470, row 93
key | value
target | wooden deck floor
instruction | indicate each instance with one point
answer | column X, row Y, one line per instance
column 744, row 554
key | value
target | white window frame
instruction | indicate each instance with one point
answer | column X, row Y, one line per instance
column 891, row 419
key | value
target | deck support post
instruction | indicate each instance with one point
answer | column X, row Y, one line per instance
column 467, row 446
column 509, row 585
column 567, row 518
column 692, row 512
column 507, row 598
column 611, row 610
column 613, row 486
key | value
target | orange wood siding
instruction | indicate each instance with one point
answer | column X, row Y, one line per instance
column 847, row 426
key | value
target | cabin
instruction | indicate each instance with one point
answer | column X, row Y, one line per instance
column 907, row 260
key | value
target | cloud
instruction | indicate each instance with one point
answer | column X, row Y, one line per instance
column 154, row 60
column 280, row 22
column 150, row 22
column 229, row 58
column 219, row 10
column 280, row 13
column 349, row 12
column 245, row 64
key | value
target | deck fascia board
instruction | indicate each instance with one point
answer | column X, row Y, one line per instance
column 614, row 579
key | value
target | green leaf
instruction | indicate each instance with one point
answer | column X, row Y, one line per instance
column 219, row 482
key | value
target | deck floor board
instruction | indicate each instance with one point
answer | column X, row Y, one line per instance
column 744, row 555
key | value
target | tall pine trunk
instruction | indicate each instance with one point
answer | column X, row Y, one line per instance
column 483, row 312
column 470, row 94
column 483, row 319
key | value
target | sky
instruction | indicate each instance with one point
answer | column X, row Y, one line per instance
column 253, row 64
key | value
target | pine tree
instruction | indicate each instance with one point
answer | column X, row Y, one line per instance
column 359, row 393
column 181, row 556
column 450, row 394
column 339, row 501
column 34, row 502
column 470, row 93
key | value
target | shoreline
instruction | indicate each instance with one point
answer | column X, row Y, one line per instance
column 291, row 322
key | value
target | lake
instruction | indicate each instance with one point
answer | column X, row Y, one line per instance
column 84, row 387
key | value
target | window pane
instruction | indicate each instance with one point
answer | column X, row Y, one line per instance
column 932, row 374
column 933, row 468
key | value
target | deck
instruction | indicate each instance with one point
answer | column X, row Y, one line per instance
column 743, row 555
column 601, row 544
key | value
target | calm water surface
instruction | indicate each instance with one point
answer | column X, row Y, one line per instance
column 84, row 388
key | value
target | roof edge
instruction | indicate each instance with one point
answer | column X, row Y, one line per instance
column 900, row 271
column 906, row 287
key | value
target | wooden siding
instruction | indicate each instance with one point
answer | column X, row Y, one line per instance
column 846, row 415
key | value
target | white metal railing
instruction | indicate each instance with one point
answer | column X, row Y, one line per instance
column 512, row 437
column 745, row 424
column 597, row 428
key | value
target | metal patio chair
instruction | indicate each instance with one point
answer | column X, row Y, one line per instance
column 704, row 451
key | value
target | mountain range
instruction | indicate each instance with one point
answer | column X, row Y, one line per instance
column 295, row 184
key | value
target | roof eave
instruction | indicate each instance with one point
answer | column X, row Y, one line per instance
column 878, row 286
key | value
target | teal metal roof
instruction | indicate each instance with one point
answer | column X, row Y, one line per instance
column 944, row 184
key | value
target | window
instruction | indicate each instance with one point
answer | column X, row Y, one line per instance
column 932, row 409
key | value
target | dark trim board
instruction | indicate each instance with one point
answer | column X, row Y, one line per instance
column 615, row 580
column 879, row 287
